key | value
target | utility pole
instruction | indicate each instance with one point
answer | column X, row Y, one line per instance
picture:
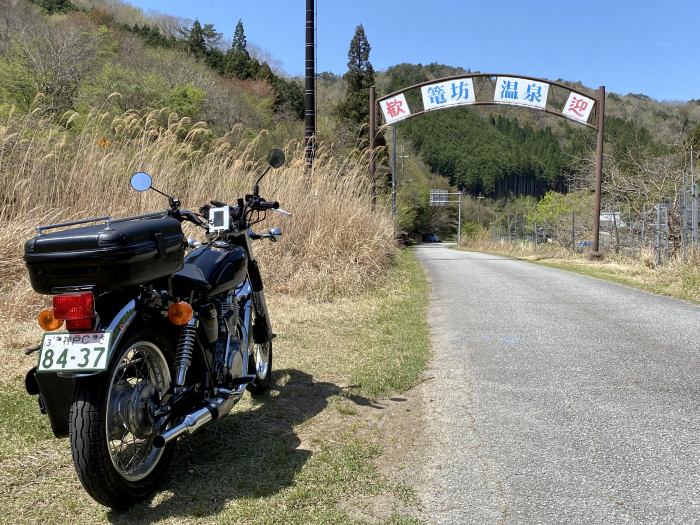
column 694, row 204
column 459, row 220
column 402, row 157
column 644, row 229
column 372, row 139
column 478, row 208
column 598, row 169
column 310, row 87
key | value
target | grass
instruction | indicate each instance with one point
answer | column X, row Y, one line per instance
column 401, row 343
column 348, row 307
column 306, row 454
column 682, row 281
column 676, row 278
column 55, row 169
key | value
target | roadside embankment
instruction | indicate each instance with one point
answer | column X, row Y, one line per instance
column 675, row 278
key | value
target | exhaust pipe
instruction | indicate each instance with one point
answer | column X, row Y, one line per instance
column 216, row 408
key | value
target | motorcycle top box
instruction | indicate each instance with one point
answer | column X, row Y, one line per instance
column 111, row 256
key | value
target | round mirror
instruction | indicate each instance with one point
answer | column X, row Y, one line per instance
column 141, row 181
column 276, row 158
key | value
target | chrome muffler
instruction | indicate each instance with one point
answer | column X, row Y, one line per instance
column 213, row 410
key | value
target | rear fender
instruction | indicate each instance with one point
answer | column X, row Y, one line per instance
column 56, row 390
column 118, row 326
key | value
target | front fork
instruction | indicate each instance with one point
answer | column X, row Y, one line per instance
column 262, row 328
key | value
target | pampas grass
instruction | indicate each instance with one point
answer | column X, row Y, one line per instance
column 72, row 167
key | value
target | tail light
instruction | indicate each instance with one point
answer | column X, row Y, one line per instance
column 76, row 309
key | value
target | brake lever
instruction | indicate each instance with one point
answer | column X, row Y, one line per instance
column 282, row 212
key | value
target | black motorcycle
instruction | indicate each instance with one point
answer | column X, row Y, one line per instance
column 157, row 343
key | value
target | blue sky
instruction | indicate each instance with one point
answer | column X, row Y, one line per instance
column 629, row 46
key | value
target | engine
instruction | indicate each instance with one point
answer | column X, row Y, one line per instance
column 229, row 362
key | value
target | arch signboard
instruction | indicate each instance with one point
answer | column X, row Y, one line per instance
column 488, row 89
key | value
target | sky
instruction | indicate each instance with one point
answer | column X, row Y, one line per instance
column 642, row 46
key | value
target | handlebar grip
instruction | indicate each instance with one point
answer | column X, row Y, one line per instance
column 265, row 205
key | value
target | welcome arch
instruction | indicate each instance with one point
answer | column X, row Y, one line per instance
column 496, row 89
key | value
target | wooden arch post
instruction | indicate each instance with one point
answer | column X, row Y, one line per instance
column 598, row 170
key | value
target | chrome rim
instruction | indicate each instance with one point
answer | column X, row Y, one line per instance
column 139, row 381
column 262, row 359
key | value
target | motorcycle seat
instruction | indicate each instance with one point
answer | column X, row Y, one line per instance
column 190, row 277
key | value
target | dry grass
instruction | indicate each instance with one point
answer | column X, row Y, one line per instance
column 79, row 166
column 301, row 455
column 305, row 454
column 675, row 278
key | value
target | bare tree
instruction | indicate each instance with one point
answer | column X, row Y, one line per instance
column 58, row 57
column 16, row 18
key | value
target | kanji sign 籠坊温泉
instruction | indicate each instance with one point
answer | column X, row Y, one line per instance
column 446, row 94
column 521, row 92
column 578, row 107
column 395, row 109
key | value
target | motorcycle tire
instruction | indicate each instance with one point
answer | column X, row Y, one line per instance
column 261, row 363
column 111, row 431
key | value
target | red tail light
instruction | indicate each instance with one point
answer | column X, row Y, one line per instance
column 77, row 309
column 80, row 325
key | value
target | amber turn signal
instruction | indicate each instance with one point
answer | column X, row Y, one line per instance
column 180, row 313
column 48, row 322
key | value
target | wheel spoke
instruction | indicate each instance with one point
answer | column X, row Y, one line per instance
column 141, row 370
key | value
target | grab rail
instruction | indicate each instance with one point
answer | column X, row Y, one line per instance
column 41, row 229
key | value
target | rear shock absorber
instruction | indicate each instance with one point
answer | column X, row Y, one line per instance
column 185, row 349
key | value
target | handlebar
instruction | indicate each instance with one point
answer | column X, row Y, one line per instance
column 265, row 205
column 186, row 215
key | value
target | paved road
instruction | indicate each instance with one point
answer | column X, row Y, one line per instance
column 557, row 398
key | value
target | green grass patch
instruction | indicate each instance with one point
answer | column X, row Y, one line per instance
column 21, row 423
column 395, row 348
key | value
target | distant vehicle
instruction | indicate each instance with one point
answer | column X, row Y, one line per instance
column 431, row 237
column 583, row 245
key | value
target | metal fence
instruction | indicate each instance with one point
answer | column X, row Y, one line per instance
column 662, row 230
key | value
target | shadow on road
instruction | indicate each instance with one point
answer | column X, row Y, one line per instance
column 248, row 454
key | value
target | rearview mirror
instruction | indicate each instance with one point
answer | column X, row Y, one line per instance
column 276, row 158
column 141, row 181
column 274, row 234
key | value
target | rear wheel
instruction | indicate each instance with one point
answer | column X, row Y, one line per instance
column 112, row 425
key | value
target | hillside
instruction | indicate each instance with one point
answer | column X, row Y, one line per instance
column 75, row 55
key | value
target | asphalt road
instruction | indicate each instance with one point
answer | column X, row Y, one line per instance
column 557, row 398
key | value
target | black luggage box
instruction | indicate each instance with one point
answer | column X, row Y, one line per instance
column 111, row 256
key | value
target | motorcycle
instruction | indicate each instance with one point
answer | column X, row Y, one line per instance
column 157, row 342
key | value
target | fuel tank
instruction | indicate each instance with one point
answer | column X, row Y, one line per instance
column 224, row 268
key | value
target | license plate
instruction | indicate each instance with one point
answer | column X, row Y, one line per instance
column 74, row 352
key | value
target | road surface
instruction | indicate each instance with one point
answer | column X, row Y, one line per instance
column 557, row 398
